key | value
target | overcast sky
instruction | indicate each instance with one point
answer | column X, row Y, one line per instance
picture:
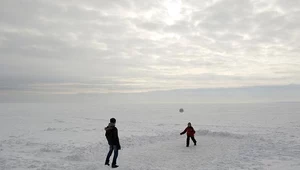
column 95, row 46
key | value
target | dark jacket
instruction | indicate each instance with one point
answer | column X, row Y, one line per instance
column 189, row 131
column 112, row 135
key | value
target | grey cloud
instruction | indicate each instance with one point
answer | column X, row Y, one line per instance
column 182, row 27
column 225, row 14
column 288, row 5
column 150, row 26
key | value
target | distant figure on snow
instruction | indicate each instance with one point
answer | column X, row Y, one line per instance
column 190, row 132
column 113, row 141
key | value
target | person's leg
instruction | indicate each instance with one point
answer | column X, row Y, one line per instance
column 109, row 154
column 116, row 152
column 194, row 140
column 187, row 141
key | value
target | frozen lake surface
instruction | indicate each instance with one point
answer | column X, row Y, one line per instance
column 71, row 136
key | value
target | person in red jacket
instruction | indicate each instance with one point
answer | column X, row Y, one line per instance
column 190, row 132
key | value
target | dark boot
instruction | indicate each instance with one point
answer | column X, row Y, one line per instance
column 114, row 166
column 106, row 162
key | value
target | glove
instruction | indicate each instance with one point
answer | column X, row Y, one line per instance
column 181, row 133
column 119, row 147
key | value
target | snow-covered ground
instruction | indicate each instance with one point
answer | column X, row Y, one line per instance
column 71, row 136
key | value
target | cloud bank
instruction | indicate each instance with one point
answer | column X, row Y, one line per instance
column 99, row 46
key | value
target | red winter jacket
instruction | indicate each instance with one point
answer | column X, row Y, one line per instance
column 189, row 131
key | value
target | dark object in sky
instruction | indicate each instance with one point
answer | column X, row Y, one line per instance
column 181, row 110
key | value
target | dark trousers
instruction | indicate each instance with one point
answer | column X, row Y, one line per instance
column 188, row 140
column 111, row 149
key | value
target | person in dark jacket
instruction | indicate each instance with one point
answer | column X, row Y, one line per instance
column 113, row 141
column 190, row 132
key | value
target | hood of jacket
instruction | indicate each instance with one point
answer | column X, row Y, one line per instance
column 110, row 126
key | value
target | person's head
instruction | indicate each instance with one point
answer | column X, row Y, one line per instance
column 112, row 120
column 189, row 124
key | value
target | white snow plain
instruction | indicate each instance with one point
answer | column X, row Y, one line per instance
column 39, row 136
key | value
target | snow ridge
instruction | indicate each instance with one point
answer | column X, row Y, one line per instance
column 205, row 132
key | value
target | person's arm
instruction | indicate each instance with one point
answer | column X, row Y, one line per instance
column 117, row 140
column 183, row 132
column 193, row 130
